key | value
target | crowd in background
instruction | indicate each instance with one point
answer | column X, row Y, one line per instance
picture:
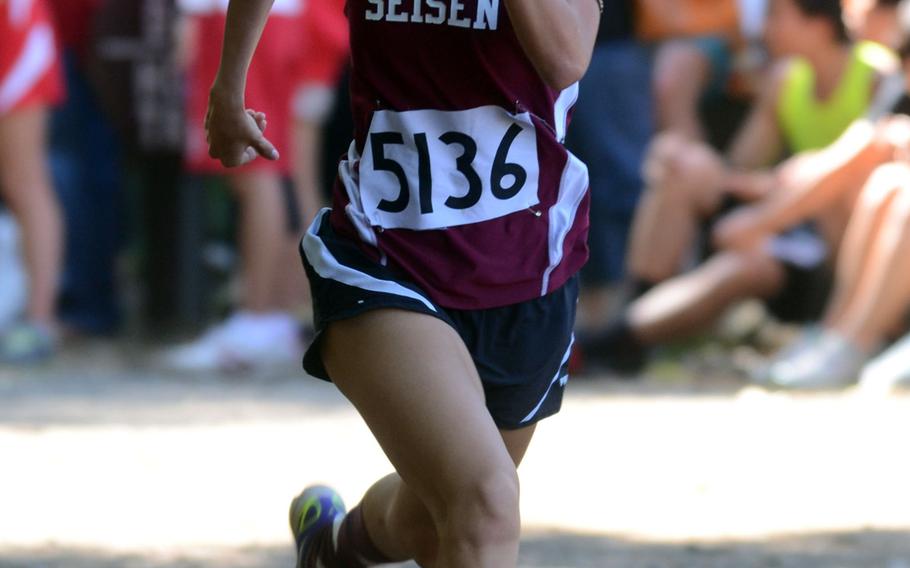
column 738, row 150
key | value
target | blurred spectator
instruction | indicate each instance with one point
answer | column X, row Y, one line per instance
column 322, row 58
column 134, row 68
column 263, row 331
column 874, row 20
column 611, row 128
column 85, row 162
column 29, row 83
column 324, row 55
column 821, row 84
column 699, row 59
column 872, row 291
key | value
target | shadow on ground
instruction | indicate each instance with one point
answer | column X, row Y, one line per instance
column 864, row 549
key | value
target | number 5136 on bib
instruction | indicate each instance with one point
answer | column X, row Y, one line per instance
column 429, row 169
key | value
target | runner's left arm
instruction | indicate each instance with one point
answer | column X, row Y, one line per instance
column 557, row 35
column 235, row 134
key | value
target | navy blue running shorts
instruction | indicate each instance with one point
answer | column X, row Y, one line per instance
column 521, row 351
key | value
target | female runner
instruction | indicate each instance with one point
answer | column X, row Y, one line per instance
column 443, row 277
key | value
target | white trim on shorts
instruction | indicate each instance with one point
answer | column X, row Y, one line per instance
column 327, row 266
column 560, row 377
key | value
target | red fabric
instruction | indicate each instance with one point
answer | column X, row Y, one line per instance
column 30, row 71
column 325, row 47
column 74, row 21
column 269, row 84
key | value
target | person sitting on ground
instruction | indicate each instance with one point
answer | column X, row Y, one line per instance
column 871, row 295
column 30, row 82
column 821, row 84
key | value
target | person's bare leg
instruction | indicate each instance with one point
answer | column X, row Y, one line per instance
column 392, row 510
column 307, row 157
column 681, row 74
column 862, row 232
column 293, row 291
column 263, row 236
column 682, row 189
column 692, row 301
column 418, row 391
column 27, row 190
column 882, row 294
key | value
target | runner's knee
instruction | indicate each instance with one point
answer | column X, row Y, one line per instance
column 485, row 511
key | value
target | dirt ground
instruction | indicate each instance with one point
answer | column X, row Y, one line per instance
column 107, row 463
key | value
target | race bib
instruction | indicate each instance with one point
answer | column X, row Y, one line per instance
column 430, row 169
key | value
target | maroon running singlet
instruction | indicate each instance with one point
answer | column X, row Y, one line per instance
column 457, row 177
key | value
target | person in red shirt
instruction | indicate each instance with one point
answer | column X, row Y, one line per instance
column 30, row 83
column 263, row 331
column 324, row 52
column 444, row 276
column 74, row 22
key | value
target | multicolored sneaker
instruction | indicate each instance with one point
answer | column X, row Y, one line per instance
column 26, row 343
column 315, row 516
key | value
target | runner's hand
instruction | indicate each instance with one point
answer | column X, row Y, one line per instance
column 235, row 136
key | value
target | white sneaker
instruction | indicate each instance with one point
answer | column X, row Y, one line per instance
column 890, row 370
column 245, row 341
column 800, row 346
column 831, row 362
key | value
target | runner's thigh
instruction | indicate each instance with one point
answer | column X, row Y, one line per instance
column 412, row 379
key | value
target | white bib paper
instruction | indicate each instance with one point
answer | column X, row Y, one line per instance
column 430, row 169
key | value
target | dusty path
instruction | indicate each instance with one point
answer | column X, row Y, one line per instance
column 111, row 465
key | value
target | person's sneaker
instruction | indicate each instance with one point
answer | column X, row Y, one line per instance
column 26, row 343
column 315, row 516
column 801, row 345
column 891, row 369
column 244, row 341
column 832, row 362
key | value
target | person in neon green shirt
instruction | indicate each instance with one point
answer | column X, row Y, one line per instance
column 820, row 84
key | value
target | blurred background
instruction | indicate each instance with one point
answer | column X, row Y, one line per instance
column 740, row 380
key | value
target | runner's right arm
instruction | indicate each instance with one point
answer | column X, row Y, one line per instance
column 235, row 135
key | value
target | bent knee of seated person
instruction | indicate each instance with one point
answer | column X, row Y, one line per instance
column 883, row 185
column 901, row 208
column 681, row 68
column 691, row 173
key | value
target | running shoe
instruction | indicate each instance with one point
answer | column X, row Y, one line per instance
column 889, row 370
column 832, row 362
column 243, row 342
column 801, row 346
column 315, row 516
column 26, row 343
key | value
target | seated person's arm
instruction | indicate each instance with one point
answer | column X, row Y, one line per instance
column 758, row 144
column 808, row 182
